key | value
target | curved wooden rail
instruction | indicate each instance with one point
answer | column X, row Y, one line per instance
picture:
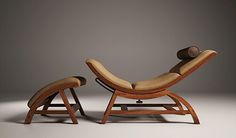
column 187, row 105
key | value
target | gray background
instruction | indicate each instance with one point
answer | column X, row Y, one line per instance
column 42, row 41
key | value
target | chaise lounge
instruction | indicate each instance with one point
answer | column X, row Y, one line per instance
column 191, row 59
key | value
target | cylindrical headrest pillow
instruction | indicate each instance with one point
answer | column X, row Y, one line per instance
column 188, row 53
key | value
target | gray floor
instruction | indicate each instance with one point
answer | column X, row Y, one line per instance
column 217, row 116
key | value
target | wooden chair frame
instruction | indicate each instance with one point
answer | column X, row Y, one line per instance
column 70, row 108
column 169, row 107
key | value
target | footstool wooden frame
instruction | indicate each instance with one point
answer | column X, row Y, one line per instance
column 45, row 96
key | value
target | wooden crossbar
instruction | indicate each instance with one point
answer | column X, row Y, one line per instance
column 145, row 105
column 148, row 112
column 59, row 105
column 51, row 112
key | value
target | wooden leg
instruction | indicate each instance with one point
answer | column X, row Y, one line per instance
column 30, row 115
column 47, row 104
column 109, row 107
column 77, row 101
column 68, row 107
column 188, row 106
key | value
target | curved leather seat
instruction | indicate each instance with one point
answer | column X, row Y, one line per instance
column 156, row 83
column 161, row 82
column 53, row 87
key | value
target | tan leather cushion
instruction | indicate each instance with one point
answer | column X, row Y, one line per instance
column 157, row 82
column 101, row 70
column 186, row 65
column 55, row 86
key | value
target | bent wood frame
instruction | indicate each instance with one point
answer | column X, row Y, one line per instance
column 46, row 103
column 178, row 101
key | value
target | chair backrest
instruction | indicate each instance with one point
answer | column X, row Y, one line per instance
column 187, row 66
column 107, row 77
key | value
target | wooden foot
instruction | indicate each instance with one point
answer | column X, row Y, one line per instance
column 29, row 116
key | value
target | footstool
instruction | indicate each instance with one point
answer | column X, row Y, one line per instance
column 44, row 96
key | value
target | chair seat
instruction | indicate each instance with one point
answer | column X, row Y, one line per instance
column 177, row 73
column 54, row 87
column 156, row 83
